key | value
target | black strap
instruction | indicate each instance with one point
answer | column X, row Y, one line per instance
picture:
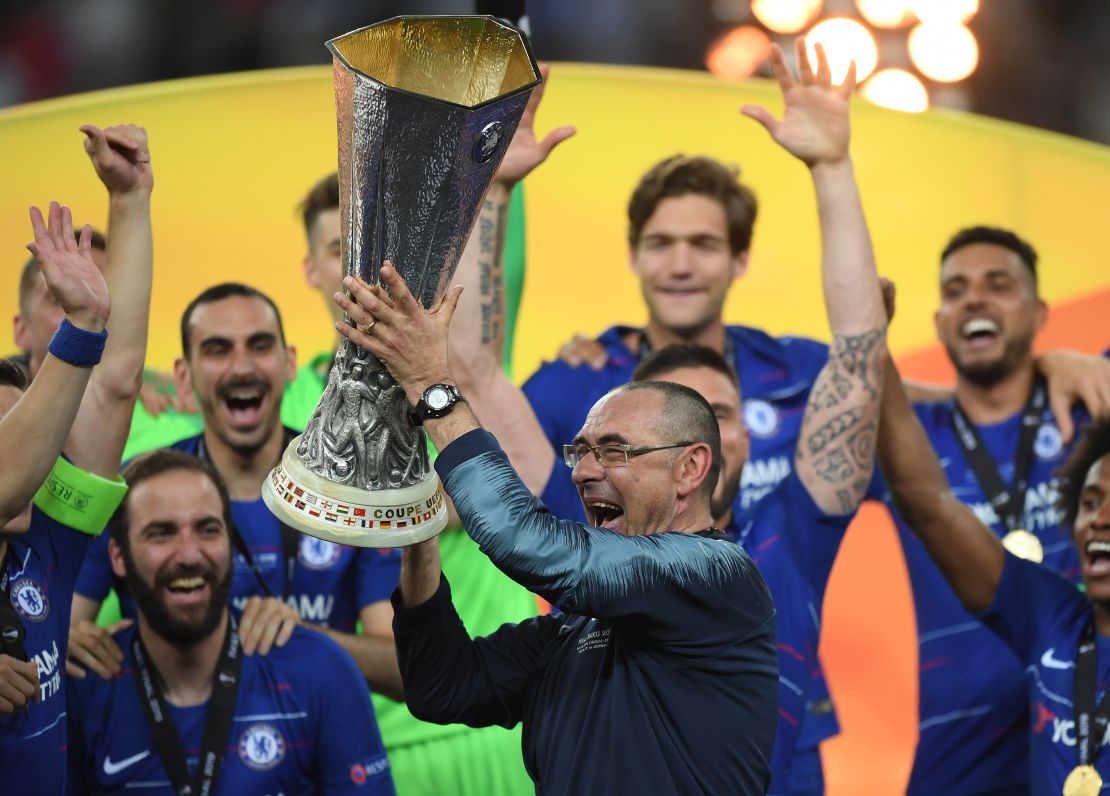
column 12, row 631
column 1086, row 684
column 290, row 538
column 1008, row 502
column 217, row 722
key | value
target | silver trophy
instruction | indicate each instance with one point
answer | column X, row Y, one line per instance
column 426, row 107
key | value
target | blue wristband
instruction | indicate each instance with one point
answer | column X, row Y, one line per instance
column 77, row 346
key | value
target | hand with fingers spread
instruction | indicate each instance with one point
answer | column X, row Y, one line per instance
column 19, row 684
column 411, row 341
column 68, row 268
column 1074, row 378
column 814, row 127
column 92, row 647
column 266, row 622
column 582, row 350
column 121, row 157
column 525, row 151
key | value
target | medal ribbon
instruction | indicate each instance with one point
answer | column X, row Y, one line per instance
column 217, row 723
column 1008, row 503
column 290, row 539
column 1089, row 722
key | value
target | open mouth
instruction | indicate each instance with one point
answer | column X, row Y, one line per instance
column 244, row 404
column 605, row 515
column 191, row 589
column 1098, row 557
column 979, row 332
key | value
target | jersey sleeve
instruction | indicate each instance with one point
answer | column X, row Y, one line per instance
column 1031, row 599
column 95, row 578
column 542, row 389
column 813, row 535
column 678, row 589
column 351, row 757
column 450, row 678
column 378, row 574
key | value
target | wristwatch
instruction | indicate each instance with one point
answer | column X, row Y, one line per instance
column 437, row 401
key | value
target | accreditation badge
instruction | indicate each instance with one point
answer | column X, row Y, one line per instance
column 1083, row 781
column 1024, row 545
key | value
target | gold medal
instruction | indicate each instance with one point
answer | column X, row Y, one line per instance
column 1024, row 545
column 1083, row 781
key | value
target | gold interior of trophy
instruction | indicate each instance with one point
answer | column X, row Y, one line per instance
column 464, row 60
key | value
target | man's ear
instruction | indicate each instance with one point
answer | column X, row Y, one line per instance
column 115, row 556
column 20, row 334
column 182, row 376
column 692, row 467
column 290, row 363
column 311, row 272
column 740, row 263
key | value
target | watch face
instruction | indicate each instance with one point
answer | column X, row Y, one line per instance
column 437, row 398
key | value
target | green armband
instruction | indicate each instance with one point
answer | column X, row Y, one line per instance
column 79, row 499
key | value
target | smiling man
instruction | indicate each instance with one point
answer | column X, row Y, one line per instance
column 187, row 709
column 1056, row 635
column 1000, row 444
column 236, row 362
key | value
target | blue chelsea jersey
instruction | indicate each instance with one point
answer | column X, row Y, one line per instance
column 303, row 724
column 776, row 375
column 1041, row 617
column 794, row 543
column 331, row 582
column 973, row 710
column 42, row 566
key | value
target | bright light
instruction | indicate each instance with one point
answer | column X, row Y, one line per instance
column 944, row 10
column 896, row 89
column 943, row 52
column 738, row 53
column 885, row 13
column 844, row 40
column 786, row 16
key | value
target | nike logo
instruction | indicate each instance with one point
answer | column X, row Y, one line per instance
column 111, row 768
column 1049, row 662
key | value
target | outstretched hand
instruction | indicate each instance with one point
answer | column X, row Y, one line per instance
column 68, row 268
column 395, row 327
column 525, row 151
column 814, row 126
column 121, row 157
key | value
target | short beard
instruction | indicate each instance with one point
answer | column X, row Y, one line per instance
column 721, row 502
column 162, row 622
column 990, row 374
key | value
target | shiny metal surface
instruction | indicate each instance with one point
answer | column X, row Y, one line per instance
column 426, row 107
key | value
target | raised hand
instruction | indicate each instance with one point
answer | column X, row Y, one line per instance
column 525, row 151
column 411, row 341
column 120, row 156
column 68, row 268
column 814, row 127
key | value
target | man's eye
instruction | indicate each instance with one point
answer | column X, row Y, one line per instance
column 611, row 454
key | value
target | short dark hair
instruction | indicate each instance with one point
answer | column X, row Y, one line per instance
column 682, row 355
column 687, row 416
column 995, row 236
column 149, row 465
column 1093, row 444
column 680, row 175
column 31, row 268
column 324, row 195
column 12, row 374
column 219, row 293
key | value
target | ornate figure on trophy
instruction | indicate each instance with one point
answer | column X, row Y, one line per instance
column 426, row 107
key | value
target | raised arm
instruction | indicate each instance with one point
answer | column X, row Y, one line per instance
column 837, row 442
column 122, row 161
column 35, row 429
column 478, row 330
column 967, row 552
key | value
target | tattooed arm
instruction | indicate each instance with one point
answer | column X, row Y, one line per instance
column 837, row 443
column 477, row 338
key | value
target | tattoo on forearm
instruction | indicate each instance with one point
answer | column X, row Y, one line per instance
column 841, row 425
column 490, row 279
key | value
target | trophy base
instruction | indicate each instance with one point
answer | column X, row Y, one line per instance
column 348, row 515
